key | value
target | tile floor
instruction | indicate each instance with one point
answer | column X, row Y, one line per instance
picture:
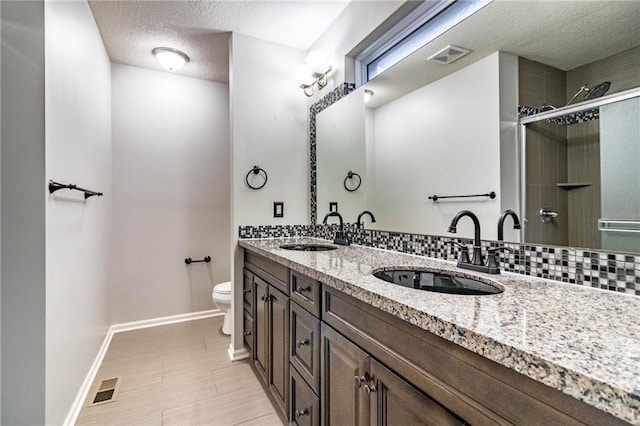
column 179, row 374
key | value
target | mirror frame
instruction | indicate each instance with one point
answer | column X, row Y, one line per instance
column 329, row 99
column 559, row 112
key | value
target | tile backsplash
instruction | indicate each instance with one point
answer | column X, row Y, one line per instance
column 610, row 271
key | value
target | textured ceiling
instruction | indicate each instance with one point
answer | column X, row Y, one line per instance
column 563, row 34
column 131, row 29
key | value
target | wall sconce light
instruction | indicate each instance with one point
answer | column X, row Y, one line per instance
column 313, row 72
column 367, row 95
column 169, row 58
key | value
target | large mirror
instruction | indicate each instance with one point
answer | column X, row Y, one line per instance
column 451, row 130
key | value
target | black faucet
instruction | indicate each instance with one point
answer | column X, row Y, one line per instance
column 477, row 262
column 477, row 245
column 359, row 223
column 503, row 216
column 341, row 237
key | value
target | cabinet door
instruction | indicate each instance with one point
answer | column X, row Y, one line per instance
column 248, row 334
column 261, row 326
column 395, row 402
column 247, row 291
column 279, row 348
column 343, row 365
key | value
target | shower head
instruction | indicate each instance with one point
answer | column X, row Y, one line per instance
column 592, row 92
column 597, row 91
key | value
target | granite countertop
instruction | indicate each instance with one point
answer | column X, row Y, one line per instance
column 583, row 341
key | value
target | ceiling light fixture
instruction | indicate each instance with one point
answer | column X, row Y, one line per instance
column 313, row 72
column 169, row 58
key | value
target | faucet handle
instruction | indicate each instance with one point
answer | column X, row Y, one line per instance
column 464, row 252
column 492, row 258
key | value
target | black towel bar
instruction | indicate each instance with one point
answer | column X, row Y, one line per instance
column 55, row 186
column 435, row 198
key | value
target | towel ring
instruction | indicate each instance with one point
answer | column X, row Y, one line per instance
column 350, row 175
column 256, row 170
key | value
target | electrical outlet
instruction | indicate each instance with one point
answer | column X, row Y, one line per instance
column 278, row 209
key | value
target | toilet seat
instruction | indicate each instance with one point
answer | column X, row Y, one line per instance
column 222, row 288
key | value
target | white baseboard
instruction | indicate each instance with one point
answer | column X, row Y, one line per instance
column 74, row 412
column 237, row 354
column 76, row 407
column 154, row 322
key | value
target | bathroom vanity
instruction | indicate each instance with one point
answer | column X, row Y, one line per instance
column 336, row 345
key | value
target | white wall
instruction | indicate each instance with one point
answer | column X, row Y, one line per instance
column 455, row 120
column 268, row 129
column 170, row 192
column 23, row 213
column 341, row 129
column 78, row 232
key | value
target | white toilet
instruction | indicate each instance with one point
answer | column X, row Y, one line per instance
column 222, row 298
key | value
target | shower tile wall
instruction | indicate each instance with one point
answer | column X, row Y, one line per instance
column 546, row 153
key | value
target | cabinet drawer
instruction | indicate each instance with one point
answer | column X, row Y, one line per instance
column 306, row 292
column 248, row 333
column 305, row 404
column 305, row 345
column 273, row 273
column 247, row 290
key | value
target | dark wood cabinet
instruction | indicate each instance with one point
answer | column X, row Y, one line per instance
column 396, row 402
column 304, row 349
column 305, row 404
column 270, row 324
column 358, row 390
column 248, row 334
column 306, row 293
column 331, row 359
column 278, row 307
column 344, row 371
column 247, row 291
column 261, row 327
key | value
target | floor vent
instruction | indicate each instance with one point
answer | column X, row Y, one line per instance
column 107, row 391
column 448, row 55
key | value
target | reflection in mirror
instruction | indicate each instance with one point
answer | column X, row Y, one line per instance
column 415, row 147
column 436, row 142
column 582, row 168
